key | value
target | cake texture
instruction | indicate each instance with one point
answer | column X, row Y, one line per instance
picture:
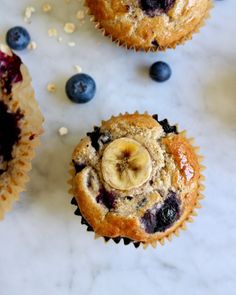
column 137, row 178
column 20, row 127
column 149, row 25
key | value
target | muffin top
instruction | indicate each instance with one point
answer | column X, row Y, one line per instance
column 135, row 177
column 149, row 24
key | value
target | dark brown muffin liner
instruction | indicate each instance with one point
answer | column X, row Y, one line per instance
column 176, row 232
column 173, row 45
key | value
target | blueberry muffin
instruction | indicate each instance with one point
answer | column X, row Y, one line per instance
column 20, row 127
column 149, row 24
column 136, row 178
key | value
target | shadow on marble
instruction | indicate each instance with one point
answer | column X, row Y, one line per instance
column 143, row 71
column 48, row 187
column 220, row 98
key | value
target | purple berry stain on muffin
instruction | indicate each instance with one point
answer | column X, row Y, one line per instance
column 9, row 132
column 9, row 71
column 78, row 166
column 153, row 7
column 106, row 198
column 160, row 219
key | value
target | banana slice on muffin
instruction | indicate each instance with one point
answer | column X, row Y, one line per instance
column 137, row 178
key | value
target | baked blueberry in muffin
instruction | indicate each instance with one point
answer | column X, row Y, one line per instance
column 136, row 177
column 149, row 24
column 20, row 127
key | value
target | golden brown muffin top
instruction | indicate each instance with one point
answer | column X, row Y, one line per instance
column 149, row 24
column 136, row 177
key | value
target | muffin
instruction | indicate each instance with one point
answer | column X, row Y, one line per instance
column 136, row 178
column 149, row 24
column 20, row 127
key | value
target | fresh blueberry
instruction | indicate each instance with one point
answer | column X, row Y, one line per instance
column 160, row 71
column 80, row 88
column 18, row 38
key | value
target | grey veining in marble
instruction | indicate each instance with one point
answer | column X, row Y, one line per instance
column 43, row 247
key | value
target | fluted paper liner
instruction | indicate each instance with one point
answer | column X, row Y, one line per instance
column 169, row 236
column 13, row 180
column 173, row 45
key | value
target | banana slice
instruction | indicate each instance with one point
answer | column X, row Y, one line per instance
column 126, row 164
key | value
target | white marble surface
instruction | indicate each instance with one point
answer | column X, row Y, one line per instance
column 43, row 247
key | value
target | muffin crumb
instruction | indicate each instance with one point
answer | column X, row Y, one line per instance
column 69, row 28
column 29, row 10
column 63, row 131
column 71, row 44
column 80, row 14
column 51, row 87
column 52, row 32
column 47, row 7
column 78, row 69
column 32, row 45
column 59, row 39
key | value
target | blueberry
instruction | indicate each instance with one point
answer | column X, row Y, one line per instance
column 18, row 38
column 106, row 198
column 168, row 214
column 160, row 219
column 80, row 88
column 164, row 5
column 160, row 71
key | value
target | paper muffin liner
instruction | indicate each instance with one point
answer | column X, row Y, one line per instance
column 173, row 45
column 169, row 236
column 14, row 179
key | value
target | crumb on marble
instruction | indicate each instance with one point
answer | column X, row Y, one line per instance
column 29, row 10
column 52, row 32
column 63, row 131
column 51, row 87
column 71, row 44
column 80, row 14
column 32, row 45
column 59, row 39
column 69, row 28
column 78, row 69
column 46, row 7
